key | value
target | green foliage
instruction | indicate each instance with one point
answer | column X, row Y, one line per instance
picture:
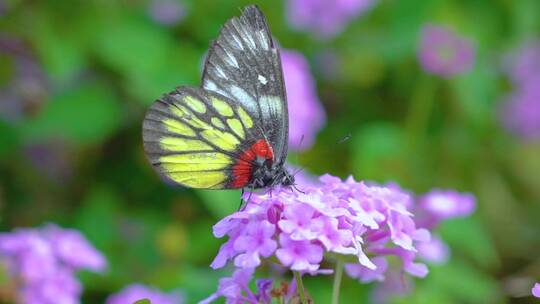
column 83, row 115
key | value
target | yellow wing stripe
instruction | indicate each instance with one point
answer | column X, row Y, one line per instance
column 174, row 126
column 222, row 140
column 200, row 158
column 236, row 126
column 244, row 117
column 195, row 104
column 175, row 144
column 222, row 107
column 217, row 122
column 195, row 162
column 188, row 117
column 189, row 169
column 205, row 180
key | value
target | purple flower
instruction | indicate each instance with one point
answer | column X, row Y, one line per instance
column 166, row 12
column 236, row 289
column 366, row 275
column 60, row 287
column 299, row 255
column 323, row 17
column 255, row 241
column 264, row 286
column 135, row 292
column 434, row 251
column 28, row 255
column 306, row 115
column 73, row 249
column 297, row 222
column 43, row 263
column 442, row 52
column 342, row 217
column 445, row 204
column 523, row 64
column 520, row 111
column 536, row 290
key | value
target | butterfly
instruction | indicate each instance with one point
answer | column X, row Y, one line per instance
column 231, row 132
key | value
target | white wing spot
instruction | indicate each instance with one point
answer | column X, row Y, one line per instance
column 211, row 86
column 262, row 79
column 231, row 60
column 262, row 40
column 238, row 42
column 220, row 72
column 250, row 41
column 243, row 97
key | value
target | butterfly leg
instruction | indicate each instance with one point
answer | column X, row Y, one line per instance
column 241, row 200
column 243, row 203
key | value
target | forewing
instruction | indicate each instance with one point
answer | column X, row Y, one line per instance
column 244, row 65
column 194, row 137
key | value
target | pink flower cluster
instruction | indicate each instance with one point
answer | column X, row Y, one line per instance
column 135, row 292
column 340, row 217
column 44, row 261
column 236, row 289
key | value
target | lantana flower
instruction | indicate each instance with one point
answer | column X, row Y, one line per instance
column 306, row 113
column 135, row 292
column 325, row 18
column 442, row 52
column 359, row 225
column 520, row 111
column 536, row 290
column 44, row 263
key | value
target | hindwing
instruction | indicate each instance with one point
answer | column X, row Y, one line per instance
column 195, row 137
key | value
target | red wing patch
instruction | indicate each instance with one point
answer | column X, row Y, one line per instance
column 243, row 169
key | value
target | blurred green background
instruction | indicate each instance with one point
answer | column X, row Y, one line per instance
column 82, row 74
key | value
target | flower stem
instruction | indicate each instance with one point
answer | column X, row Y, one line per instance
column 337, row 281
column 300, row 287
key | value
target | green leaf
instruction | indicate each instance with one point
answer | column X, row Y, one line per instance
column 377, row 151
column 463, row 283
column 8, row 140
column 467, row 236
column 143, row 301
column 476, row 92
column 220, row 203
column 84, row 115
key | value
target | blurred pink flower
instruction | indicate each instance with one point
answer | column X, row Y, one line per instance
column 236, row 290
column 536, row 290
column 167, row 12
column 306, row 114
column 135, row 292
column 520, row 111
column 443, row 52
column 325, row 18
column 44, row 261
column 445, row 204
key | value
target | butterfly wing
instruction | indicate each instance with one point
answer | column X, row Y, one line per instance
column 196, row 138
column 244, row 65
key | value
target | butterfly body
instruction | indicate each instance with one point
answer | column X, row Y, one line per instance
column 232, row 132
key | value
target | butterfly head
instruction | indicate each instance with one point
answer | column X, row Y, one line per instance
column 269, row 175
